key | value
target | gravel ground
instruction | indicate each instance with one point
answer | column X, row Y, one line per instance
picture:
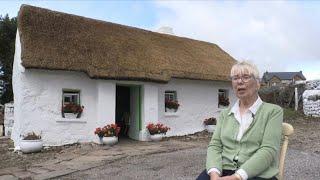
column 302, row 162
column 187, row 164
column 9, row 159
column 306, row 135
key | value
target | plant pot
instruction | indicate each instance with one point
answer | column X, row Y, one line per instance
column 210, row 128
column 156, row 137
column 30, row 146
column 110, row 140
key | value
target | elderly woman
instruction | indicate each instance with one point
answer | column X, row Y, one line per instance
column 246, row 142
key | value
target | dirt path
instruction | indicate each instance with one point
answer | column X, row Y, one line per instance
column 306, row 135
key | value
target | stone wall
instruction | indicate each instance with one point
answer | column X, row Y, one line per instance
column 311, row 99
column 8, row 118
column 314, row 84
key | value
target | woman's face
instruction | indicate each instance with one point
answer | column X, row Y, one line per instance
column 245, row 86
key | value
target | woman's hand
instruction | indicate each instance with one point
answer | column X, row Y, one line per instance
column 214, row 176
column 233, row 177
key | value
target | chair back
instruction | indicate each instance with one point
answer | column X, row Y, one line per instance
column 287, row 130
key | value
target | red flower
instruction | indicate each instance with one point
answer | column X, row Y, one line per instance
column 108, row 131
column 171, row 104
column 157, row 128
column 210, row 121
column 72, row 108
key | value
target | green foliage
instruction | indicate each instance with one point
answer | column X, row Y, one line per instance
column 289, row 113
column 8, row 29
column 283, row 96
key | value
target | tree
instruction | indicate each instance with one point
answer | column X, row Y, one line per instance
column 8, row 29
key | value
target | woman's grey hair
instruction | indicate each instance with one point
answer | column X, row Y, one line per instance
column 245, row 67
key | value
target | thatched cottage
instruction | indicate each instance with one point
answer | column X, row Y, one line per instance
column 111, row 70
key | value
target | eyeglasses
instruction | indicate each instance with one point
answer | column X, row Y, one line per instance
column 245, row 78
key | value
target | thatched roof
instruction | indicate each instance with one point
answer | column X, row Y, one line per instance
column 59, row 41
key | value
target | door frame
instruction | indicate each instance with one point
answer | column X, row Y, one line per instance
column 138, row 103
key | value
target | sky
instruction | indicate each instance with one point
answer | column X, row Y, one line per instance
column 274, row 35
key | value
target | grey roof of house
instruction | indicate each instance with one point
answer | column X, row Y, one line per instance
column 282, row 75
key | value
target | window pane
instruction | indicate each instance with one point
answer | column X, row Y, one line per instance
column 71, row 97
column 171, row 96
column 67, row 99
column 75, row 99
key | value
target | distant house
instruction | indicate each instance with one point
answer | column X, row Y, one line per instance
column 111, row 70
column 282, row 78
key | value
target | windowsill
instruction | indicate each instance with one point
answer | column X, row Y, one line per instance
column 67, row 120
column 171, row 114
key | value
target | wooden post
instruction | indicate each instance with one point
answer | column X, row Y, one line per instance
column 1, row 130
column 296, row 100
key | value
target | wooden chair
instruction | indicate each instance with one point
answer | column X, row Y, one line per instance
column 287, row 130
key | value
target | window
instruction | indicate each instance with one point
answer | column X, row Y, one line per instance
column 71, row 107
column 170, row 96
column 171, row 101
column 71, row 97
column 223, row 98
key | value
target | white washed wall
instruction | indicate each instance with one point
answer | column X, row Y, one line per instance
column 150, row 107
column 198, row 100
column 38, row 101
column 41, row 101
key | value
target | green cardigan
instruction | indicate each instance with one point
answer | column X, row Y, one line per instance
column 257, row 150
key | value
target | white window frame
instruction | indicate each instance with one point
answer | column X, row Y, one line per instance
column 70, row 93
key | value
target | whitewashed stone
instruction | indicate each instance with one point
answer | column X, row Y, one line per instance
column 311, row 107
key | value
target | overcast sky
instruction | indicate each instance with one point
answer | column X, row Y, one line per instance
column 276, row 36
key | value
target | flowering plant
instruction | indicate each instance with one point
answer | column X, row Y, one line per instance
column 172, row 104
column 224, row 101
column 210, row 121
column 108, row 130
column 157, row 128
column 32, row 136
column 72, row 108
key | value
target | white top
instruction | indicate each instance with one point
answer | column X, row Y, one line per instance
column 244, row 121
